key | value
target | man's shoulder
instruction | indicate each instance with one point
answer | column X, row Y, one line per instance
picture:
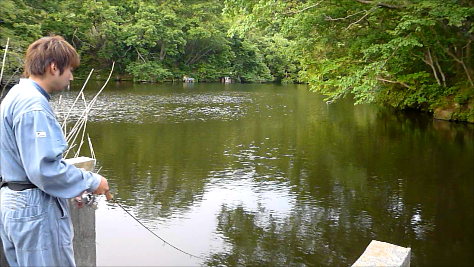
column 24, row 99
column 25, row 92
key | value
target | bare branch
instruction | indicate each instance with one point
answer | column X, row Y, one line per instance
column 82, row 122
column 460, row 61
column 191, row 60
column 72, row 39
column 74, row 103
column 140, row 55
column 91, row 148
column 200, row 56
column 389, row 81
column 8, row 81
column 126, row 51
column 366, row 14
column 304, row 9
column 440, row 70
column 328, row 18
column 4, row 57
column 432, row 65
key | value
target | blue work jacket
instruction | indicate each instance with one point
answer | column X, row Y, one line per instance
column 32, row 145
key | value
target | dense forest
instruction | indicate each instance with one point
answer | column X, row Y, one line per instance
column 401, row 53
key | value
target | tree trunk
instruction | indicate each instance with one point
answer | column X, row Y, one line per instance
column 440, row 70
column 429, row 61
column 459, row 55
column 469, row 59
column 459, row 61
column 162, row 51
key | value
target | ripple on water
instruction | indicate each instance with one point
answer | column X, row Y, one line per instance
column 172, row 108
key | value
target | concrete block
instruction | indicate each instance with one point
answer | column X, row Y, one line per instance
column 384, row 254
column 85, row 163
column 83, row 221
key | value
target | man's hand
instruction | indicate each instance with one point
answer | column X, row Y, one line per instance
column 103, row 187
column 78, row 201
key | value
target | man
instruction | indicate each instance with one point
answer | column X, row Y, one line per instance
column 34, row 224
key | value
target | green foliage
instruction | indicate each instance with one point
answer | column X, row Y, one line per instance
column 463, row 96
column 150, row 40
column 152, row 71
column 415, row 53
column 18, row 21
column 248, row 65
column 280, row 55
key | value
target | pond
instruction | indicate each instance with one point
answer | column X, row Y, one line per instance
column 271, row 175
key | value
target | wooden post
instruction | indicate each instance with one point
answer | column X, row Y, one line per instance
column 83, row 221
column 384, row 254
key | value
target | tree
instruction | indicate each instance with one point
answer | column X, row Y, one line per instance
column 402, row 53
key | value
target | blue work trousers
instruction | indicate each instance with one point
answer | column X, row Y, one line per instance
column 36, row 229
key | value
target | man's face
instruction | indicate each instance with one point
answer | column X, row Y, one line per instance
column 61, row 82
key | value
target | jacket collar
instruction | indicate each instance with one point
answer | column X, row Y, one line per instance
column 37, row 86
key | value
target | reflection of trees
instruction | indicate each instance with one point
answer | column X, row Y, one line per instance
column 161, row 168
column 304, row 238
column 357, row 173
column 366, row 175
column 411, row 178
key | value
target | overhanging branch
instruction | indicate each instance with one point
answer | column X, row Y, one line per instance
column 361, row 18
column 329, row 18
column 380, row 4
column 304, row 9
column 389, row 81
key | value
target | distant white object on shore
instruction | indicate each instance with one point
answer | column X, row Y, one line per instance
column 187, row 79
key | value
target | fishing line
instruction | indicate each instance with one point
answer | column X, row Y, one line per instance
column 166, row 242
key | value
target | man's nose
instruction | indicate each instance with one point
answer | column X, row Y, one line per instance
column 71, row 78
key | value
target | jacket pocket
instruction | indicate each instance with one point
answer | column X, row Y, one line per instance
column 65, row 229
column 29, row 231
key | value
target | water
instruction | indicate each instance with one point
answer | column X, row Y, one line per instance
column 270, row 175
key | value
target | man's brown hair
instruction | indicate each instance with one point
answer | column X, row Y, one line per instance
column 47, row 50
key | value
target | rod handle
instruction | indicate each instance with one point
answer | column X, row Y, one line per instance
column 109, row 196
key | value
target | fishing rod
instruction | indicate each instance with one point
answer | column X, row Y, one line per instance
column 89, row 199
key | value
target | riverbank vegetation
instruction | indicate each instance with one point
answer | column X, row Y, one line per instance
column 407, row 54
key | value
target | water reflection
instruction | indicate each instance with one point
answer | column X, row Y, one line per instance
column 270, row 175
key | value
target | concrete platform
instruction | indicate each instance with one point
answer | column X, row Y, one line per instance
column 384, row 254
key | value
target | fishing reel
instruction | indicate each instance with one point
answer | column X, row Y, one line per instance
column 88, row 199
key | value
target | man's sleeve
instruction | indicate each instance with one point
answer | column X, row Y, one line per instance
column 41, row 145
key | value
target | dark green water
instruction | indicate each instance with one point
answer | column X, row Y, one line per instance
column 269, row 175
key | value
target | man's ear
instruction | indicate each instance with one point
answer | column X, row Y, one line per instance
column 53, row 68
